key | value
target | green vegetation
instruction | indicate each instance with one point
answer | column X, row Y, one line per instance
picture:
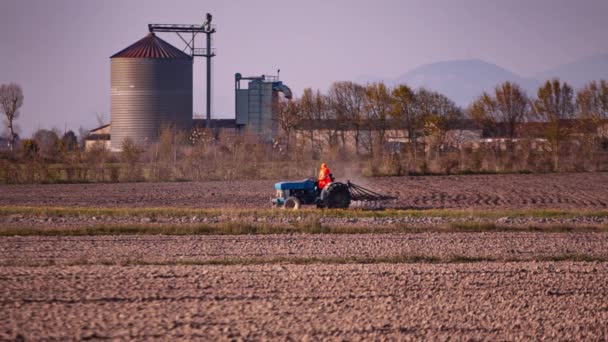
column 161, row 229
column 304, row 214
column 239, row 228
column 397, row 259
column 180, row 221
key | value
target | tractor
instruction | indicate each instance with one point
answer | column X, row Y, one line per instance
column 335, row 195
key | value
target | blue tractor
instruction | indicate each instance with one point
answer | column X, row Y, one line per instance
column 335, row 195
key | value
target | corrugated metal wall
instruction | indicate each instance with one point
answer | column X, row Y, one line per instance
column 242, row 106
column 147, row 94
column 261, row 119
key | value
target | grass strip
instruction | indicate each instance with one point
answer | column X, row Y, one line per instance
column 480, row 227
column 312, row 227
column 304, row 213
column 399, row 259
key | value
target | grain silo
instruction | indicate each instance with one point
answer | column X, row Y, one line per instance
column 151, row 87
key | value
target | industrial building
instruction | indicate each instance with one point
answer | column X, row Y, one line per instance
column 152, row 87
column 255, row 104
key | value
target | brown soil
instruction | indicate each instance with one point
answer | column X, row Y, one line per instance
column 480, row 301
column 511, row 191
column 36, row 250
column 76, row 296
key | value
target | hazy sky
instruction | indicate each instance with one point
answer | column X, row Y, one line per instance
column 59, row 50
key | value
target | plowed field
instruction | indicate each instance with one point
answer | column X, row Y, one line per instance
column 72, row 274
column 511, row 191
column 481, row 301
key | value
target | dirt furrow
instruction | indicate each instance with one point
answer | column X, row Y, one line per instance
column 119, row 249
column 481, row 301
column 508, row 191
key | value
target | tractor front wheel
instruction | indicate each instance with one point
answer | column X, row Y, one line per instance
column 292, row 203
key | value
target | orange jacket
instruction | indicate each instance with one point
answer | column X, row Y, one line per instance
column 324, row 178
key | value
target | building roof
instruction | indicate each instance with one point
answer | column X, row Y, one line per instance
column 95, row 130
column 151, row 47
column 539, row 129
column 389, row 124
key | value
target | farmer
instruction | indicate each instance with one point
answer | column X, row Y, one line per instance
column 324, row 176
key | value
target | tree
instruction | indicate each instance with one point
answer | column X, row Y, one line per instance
column 69, row 141
column 287, row 114
column 592, row 101
column 508, row 105
column 404, row 113
column 11, row 99
column 48, row 143
column 321, row 111
column 436, row 109
column 348, row 103
column 555, row 103
column 308, row 113
column 378, row 106
column 438, row 113
column 83, row 134
column 30, row 148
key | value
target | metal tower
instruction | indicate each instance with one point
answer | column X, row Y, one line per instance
column 208, row 29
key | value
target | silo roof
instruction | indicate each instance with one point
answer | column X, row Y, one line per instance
column 151, row 47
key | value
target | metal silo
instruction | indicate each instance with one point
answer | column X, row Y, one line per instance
column 151, row 87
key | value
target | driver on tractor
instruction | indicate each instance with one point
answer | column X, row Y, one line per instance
column 324, row 177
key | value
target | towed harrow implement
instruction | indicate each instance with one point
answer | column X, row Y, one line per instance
column 361, row 194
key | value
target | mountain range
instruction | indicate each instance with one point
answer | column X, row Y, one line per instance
column 465, row 80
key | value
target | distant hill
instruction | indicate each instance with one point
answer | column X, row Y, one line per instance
column 465, row 80
column 580, row 72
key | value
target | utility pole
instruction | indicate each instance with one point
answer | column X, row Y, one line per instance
column 209, row 30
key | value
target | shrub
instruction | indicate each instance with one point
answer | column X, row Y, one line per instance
column 130, row 155
column 29, row 148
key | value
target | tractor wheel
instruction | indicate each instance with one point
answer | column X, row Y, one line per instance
column 292, row 203
column 337, row 196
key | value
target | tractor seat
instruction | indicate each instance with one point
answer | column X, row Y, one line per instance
column 306, row 184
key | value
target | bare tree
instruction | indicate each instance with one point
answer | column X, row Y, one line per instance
column 348, row 103
column 11, row 99
column 438, row 113
column 555, row 103
column 83, row 134
column 101, row 119
column 508, row 105
column 436, row 108
column 308, row 113
column 404, row 113
column 321, row 112
column 287, row 116
column 592, row 112
column 131, row 154
column 592, row 101
column 378, row 107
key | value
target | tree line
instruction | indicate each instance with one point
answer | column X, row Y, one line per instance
column 352, row 126
column 352, row 106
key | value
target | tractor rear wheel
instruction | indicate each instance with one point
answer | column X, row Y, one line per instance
column 292, row 203
column 337, row 196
